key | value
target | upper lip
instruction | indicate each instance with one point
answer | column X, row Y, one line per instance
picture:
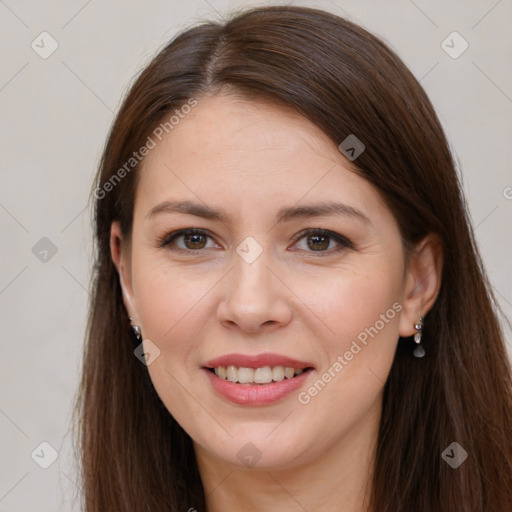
column 256, row 361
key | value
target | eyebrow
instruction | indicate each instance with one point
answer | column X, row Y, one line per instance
column 283, row 215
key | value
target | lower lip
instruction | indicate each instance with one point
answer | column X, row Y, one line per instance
column 256, row 394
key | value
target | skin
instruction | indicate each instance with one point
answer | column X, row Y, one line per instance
column 250, row 159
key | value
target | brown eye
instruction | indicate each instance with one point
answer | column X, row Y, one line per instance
column 193, row 239
column 196, row 241
column 318, row 242
column 321, row 241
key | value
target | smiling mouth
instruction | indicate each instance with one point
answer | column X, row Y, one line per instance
column 262, row 375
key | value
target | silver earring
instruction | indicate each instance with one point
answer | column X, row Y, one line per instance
column 136, row 331
column 419, row 351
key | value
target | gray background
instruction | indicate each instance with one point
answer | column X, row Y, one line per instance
column 55, row 114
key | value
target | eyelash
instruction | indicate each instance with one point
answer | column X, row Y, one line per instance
column 344, row 242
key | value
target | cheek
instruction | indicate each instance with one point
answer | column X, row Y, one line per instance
column 354, row 303
column 364, row 314
column 168, row 300
column 172, row 308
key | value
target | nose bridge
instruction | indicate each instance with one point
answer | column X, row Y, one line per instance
column 251, row 261
column 253, row 297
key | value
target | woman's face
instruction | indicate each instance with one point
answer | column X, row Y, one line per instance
column 254, row 290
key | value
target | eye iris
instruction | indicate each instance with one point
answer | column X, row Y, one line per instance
column 196, row 236
column 325, row 245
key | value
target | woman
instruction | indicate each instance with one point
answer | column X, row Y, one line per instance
column 289, row 307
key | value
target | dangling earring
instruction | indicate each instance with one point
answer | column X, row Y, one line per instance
column 419, row 351
column 136, row 332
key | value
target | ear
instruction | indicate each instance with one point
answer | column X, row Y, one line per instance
column 422, row 283
column 122, row 261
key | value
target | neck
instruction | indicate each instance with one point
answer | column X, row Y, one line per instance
column 337, row 480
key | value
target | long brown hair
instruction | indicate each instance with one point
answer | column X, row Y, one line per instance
column 134, row 456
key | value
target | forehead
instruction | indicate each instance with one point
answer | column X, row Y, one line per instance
column 226, row 128
column 249, row 152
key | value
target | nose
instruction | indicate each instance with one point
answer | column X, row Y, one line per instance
column 255, row 296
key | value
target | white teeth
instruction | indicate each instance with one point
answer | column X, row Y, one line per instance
column 221, row 372
column 264, row 375
column 231, row 373
column 245, row 375
column 289, row 372
column 278, row 373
